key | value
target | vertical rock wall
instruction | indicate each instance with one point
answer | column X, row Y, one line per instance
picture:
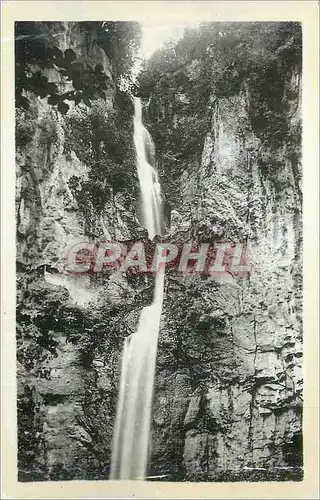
column 229, row 390
column 70, row 328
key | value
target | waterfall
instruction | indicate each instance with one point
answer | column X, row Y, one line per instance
column 150, row 190
column 132, row 427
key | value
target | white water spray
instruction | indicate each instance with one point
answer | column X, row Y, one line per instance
column 132, row 428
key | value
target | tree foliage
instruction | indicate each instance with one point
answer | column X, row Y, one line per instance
column 37, row 49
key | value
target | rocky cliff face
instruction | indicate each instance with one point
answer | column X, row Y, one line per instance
column 228, row 392
column 66, row 375
column 229, row 385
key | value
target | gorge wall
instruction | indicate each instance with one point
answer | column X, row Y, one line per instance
column 228, row 392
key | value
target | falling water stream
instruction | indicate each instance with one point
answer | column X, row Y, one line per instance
column 132, row 427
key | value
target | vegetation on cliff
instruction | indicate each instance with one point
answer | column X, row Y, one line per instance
column 50, row 130
column 102, row 139
column 37, row 49
column 227, row 354
column 217, row 61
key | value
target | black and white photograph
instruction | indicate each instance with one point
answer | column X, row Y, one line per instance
column 159, row 236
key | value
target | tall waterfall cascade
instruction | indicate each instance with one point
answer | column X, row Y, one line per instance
column 131, row 438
